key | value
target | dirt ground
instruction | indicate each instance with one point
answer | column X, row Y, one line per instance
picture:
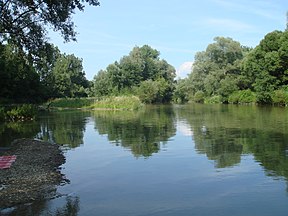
column 34, row 175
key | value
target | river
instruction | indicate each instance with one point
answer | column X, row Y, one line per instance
column 165, row 160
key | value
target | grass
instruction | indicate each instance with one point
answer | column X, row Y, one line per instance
column 70, row 102
column 111, row 103
column 118, row 103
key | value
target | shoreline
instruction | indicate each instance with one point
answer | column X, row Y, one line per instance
column 34, row 175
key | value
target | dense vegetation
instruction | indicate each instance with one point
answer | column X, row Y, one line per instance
column 24, row 23
column 141, row 73
column 32, row 70
column 227, row 72
column 56, row 75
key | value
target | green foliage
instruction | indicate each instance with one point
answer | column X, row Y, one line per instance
column 265, row 68
column 19, row 81
column 181, row 91
column 242, row 97
column 238, row 74
column 24, row 23
column 70, row 102
column 216, row 70
column 115, row 103
column 199, row 97
column 141, row 65
column 147, row 91
column 216, row 99
column 68, row 77
column 22, row 112
column 158, row 91
column 280, row 97
column 228, row 85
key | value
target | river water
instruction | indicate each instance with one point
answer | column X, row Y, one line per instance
column 165, row 160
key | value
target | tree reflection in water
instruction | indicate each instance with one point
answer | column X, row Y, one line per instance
column 70, row 206
column 142, row 132
column 232, row 131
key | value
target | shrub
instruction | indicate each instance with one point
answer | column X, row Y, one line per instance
column 213, row 100
column 199, row 97
column 242, row 97
column 22, row 112
column 147, row 91
column 234, row 97
column 280, row 97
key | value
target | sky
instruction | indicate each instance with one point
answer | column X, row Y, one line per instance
column 178, row 29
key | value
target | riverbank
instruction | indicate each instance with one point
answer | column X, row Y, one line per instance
column 33, row 176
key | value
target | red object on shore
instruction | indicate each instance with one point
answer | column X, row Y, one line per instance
column 6, row 161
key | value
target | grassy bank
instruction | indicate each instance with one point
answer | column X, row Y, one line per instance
column 111, row 103
column 70, row 103
column 120, row 103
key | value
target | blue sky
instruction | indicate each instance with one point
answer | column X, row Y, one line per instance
column 178, row 29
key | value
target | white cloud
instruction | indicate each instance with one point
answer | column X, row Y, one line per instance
column 184, row 69
column 184, row 129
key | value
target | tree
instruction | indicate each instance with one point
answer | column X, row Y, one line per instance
column 102, row 84
column 25, row 22
column 265, row 69
column 141, row 65
column 68, row 77
column 217, row 65
column 19, row 81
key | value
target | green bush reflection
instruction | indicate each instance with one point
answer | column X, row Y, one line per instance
column 231, row 131
column 141, row 131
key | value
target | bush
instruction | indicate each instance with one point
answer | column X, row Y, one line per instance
column 242, row 97
column 22, row 112
column 234, row 97
column 264, row 97
column 147, row 91
column 199, row 97
column 213, row 100
column 280, row 97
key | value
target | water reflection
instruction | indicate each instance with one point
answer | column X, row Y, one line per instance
column 64, row 128
column 142, row 131
column 67, row 206
column 223, row 134
column 231, row 131
column 15, row 130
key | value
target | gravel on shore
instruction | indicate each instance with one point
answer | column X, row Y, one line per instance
column 34, row 175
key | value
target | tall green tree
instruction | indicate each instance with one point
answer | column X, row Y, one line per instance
column 68, row 77
column 218, row 65
column 265, row 69
column 143, row 64
column 24, row 22
column 19, row 81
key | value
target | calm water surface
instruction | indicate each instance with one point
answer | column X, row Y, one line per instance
column 165, row 160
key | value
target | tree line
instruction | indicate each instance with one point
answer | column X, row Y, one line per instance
column 33, row 70
column 228, row 72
